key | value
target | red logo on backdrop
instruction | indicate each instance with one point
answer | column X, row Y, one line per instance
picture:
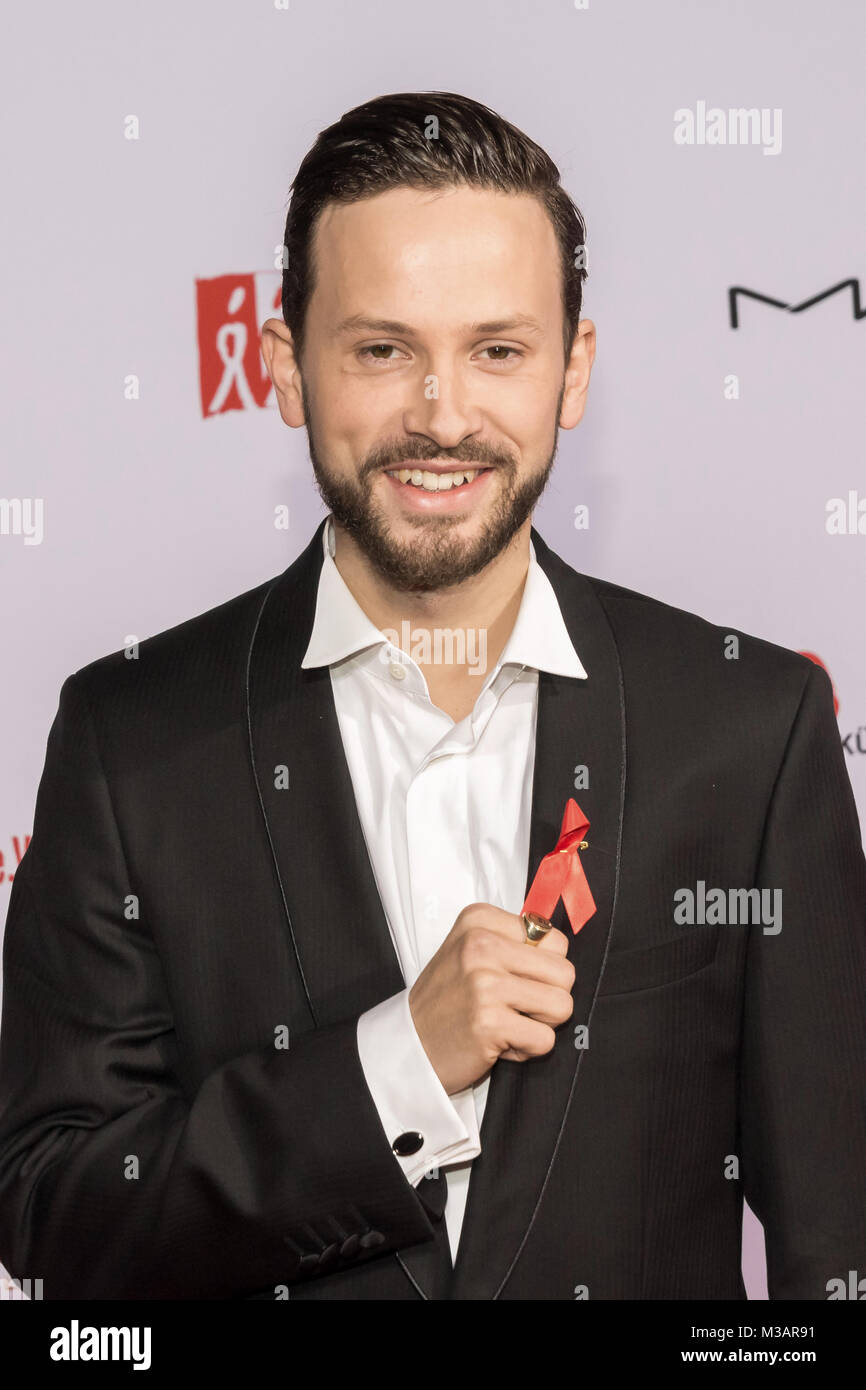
column 818, row 662
column 230, row 310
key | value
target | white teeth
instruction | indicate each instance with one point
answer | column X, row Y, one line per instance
column 434, row 482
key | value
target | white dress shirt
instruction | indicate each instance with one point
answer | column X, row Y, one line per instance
column 445, row 810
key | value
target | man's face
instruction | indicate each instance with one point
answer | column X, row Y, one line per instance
column 434, row 341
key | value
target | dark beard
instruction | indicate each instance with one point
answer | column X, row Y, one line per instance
column 437, row 559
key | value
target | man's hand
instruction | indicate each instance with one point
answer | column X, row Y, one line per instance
column 488, row 994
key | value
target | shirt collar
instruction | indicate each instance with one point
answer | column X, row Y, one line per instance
column 539, row 638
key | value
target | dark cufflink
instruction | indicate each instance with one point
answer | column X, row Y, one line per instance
column 409, row 1143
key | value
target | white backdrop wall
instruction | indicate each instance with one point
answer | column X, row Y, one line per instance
column 139, row 481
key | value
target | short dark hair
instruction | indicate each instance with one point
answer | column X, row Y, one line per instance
column 387, row 143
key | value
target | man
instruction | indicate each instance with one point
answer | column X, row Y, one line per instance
column 273, row 1023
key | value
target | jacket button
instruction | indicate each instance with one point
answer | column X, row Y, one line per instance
column 372, row 1238
column 408, row 1143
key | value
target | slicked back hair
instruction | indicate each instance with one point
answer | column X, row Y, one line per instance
column 423, row 140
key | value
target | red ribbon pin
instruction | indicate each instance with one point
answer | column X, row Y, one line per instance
column 560, row 874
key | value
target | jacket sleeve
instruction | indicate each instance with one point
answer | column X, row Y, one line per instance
column 113, row 1182
column 803, row 1059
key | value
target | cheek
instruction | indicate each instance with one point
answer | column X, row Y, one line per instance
column 526, row 422
column 352, row 393
column 357, row 412
column 348, row 423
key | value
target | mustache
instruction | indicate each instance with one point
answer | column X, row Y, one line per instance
column 468, row 451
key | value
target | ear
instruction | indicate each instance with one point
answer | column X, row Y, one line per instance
column 278, row 353
column 577, row 375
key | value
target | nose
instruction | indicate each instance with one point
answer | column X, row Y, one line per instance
column 441, row 410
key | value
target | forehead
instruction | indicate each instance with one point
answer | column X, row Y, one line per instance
column 415, row 250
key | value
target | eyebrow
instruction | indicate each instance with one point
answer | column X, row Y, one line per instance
column 405, row 330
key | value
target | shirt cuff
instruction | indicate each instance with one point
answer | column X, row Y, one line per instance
column 409, row 1095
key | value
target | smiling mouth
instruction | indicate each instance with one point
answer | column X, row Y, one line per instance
column 427, row 481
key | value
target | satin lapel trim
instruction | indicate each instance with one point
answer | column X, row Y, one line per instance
column 528, row 1103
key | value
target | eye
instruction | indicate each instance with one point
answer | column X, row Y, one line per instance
column 502, row 347
column 370, row 354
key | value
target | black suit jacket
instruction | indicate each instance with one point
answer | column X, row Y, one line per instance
column 178, row 908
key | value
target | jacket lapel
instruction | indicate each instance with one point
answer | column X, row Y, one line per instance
column 339, row 931
column 579, row 722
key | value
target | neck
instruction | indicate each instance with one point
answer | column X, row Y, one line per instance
column 485, row 605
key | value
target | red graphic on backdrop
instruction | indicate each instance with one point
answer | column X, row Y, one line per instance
column 230, row 310
column 818, row 662
column 19, row 848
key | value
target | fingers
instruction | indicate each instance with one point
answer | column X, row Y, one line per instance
column 510, row 924
column 555, row 941
column 527, row 1038
column 490, row 918
column 546, row 1003
column 480, row 949
column 550, row 967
